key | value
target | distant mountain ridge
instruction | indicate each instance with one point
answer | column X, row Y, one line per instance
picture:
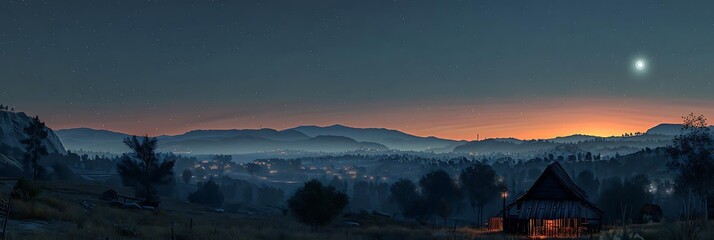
column 391, row 138
column 344, row 138
column 669, row 129
column 217, row 141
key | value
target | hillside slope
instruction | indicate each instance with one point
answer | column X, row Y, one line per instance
column 12, row 125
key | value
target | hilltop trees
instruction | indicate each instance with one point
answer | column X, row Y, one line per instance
column 692, row 160
column 479, row 185
column 36, row 133
column 143, row 170
column 316, row 205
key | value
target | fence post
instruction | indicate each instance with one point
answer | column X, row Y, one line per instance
column 7, row 213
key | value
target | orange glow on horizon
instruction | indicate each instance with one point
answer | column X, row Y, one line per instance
column 545, row 118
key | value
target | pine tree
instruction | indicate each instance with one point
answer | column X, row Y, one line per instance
column 36, row 133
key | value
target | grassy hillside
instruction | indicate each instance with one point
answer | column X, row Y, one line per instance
column 74, row 211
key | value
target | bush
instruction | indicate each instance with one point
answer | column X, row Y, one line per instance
column 209, row 194
column 316, row 205
column 63, row 172
column 25, row 190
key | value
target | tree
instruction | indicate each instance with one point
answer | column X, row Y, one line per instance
column 478, row 183
column 270, row 195
column 589, row 156
column 248, row 194
column 404, row 194
column 186, row 175
column 36, row 133
column 588, row 182
column 692, row 159
column 437, row 185
column 631, row 194
column 142, row 168
column 361, row 197
column 208, row 194
column 444, row 209
column 252, row 168
column 316, row 205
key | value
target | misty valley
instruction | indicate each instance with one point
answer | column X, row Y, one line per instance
column 356, row 120
column 96, row 183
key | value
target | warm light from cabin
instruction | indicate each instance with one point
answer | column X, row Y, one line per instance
column 555, row 228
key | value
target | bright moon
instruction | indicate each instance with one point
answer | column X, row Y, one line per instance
column 640, row 65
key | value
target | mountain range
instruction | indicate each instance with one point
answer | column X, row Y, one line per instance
column 218, row 141
column 335, row 138
column 339, row 138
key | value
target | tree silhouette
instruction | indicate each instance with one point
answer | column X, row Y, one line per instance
column 588, row 182
column 316, row 205
column 186, row 175
column 589, row 156
column 361, row 197
column 479, row 185
column 143, row 170
column 692, row 159
column 270, row 195
column 252, row 168
column 404, row 194
column 208, row 194
column 36, row 133
column 631, row 193
column 248, row 194
column 438, row 185
column 443, row 209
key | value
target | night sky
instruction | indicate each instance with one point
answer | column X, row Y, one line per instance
column 450, row 69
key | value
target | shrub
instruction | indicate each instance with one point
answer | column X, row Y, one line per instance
column 316, row 205
column 209, row 194
column 25, row 190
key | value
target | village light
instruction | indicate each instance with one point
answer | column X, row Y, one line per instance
column 504, row 195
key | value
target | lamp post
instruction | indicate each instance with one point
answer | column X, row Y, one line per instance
column 504, row 195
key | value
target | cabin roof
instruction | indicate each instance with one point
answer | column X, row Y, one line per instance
column 555, row 171
column 555, row 188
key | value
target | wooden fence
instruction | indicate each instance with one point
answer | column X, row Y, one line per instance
column 4, row 213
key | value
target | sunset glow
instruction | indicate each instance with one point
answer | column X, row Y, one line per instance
column 455, row 120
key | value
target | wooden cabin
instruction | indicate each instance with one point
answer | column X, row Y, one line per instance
column 554, row 207
column 650, row 213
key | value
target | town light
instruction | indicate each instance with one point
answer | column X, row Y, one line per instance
column 504, row 195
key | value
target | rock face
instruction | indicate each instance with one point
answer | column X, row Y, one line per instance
column 12, row 125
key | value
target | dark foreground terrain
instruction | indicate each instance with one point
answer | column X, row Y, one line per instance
column 72, row 210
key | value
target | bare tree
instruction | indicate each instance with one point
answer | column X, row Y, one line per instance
column 692, row 159
column 142, row 168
